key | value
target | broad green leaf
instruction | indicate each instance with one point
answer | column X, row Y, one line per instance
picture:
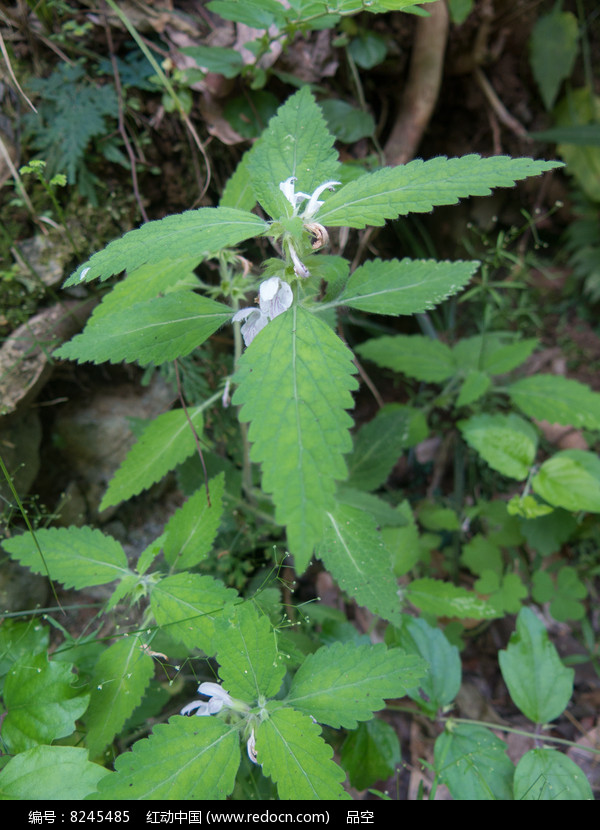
column 553, row 49
column 184, row 759
column 118, row 682
column 217, row 59
column 380, row 443
column 495, row 352
column 385, row 514
column 145, row 283
column 547, row 534
column 548, row 775
column 298, row 427
column 20, row 638
column 460, row 10
column 580, row 107
column 432, row 596
column 41, row 702
column 416, row 356
column 442, row 681
column 367, row 50
column 347, row 123
column 166, row 442
column 238, row 191
column 187, row 237
column 250, row 662
column 475, row 385
column 292, row 752
column 505, row 592
column 353, row 552
column 370, row 753
column 570, row 479
column 343, row 683
column 154, row 331
column 406, row 286
column 419, row 186
column 79, row 557
column 507, row 442
column 258, row 14
column 479, row 555
column 538, row 682
column 472, row 762
column 558, row 400
column 296, row 143
column 188, row 606
column 50, row 773
column 191, row 530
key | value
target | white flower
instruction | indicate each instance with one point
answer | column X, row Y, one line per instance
column 251, row 748
column 300, row 269
column 274, row 297
column 217, row 698
column 296, row 199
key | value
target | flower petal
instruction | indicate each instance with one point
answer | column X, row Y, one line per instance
column 314, row 204
column 200, row 705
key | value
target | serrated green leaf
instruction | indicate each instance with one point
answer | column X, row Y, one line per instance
column 475, row 385
column 419, row 186
column 238, row 192
column 380, row 443
column 79, row 557
column 547, row 775
column 353, row 552
column 570, row 479
column 166, row 442
column 580, row 107
column 347, row 123
column 191, row 530
column 553, row 49
column 41, row 702
column 291, row 751
column 145, row 283
column 118, row 682
column 298, row 425
column 217, row 59
column 343, row 683
column 188, row 606
column 558, row 400
column 472, row 762
column 370, row 753
column 250, row 662
column 186, row 237
column 506, row 442
column 296, row 143
column 432, row 596
column 50, row 773
column 406, row 286
column 416, row 356
column 442, row 681
column 495, row 352
column 154, row 331
column 538, row 682
column 184, row 759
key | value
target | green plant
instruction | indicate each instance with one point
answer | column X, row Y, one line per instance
column 293, row 386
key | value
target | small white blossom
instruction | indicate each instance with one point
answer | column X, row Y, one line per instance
column 300, row 269
column 296, row 199
column 251, row 748
column 217, row 698
column 274, row 297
